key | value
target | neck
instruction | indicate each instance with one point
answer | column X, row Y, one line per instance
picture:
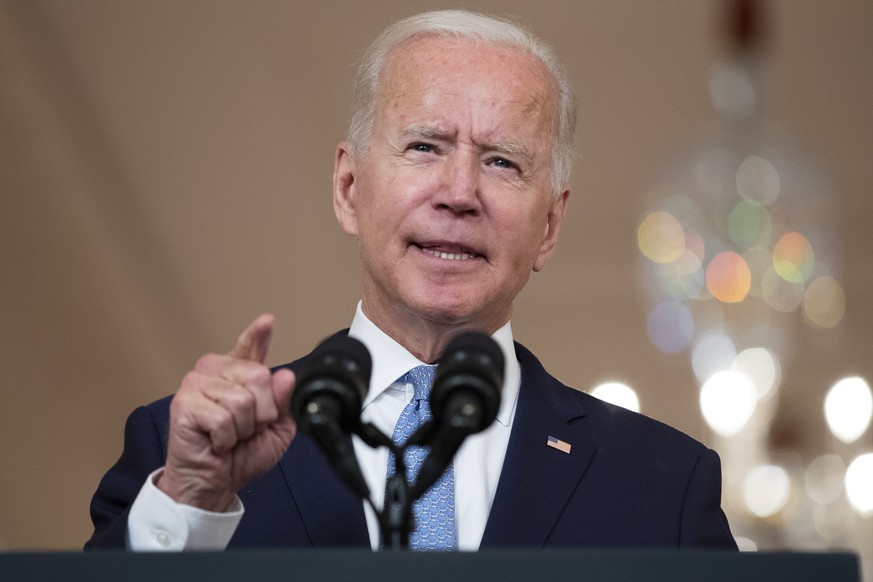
column 425, row 338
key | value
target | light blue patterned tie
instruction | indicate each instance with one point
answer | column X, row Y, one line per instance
column 434, row 512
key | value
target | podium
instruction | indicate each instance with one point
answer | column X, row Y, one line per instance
column 493, row 565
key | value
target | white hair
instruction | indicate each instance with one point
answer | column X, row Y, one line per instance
column 464, row 25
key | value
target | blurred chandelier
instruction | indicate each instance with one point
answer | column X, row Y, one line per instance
column 738, row 252
column 738, row 233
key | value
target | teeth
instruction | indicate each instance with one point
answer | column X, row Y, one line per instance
column 449, row 256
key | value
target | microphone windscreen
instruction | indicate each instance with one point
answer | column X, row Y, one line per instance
column 353, row 356
column 338, row 370
column 472, row 364
column 473, row 352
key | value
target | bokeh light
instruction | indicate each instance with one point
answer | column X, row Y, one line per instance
column 758, row 180
column 824, row 478
column 779, row 293
column 728, row 277
column 793, row 257
column 661, row 237
column 749, row 224
column 824, row 303
column 670, row 326
column 694, row 244
column 859, row 484
column 683, row 278
column 848, row 408
column 731, row 91
column 762, row 368
column 713, row 352
column 766, row 490
column 618, row 394
column 727, row 401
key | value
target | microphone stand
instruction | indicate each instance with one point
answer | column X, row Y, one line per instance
column 395, row 519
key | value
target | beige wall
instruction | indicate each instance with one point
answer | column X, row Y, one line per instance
column 164, row 177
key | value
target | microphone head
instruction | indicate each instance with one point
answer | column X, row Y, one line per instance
column 338, row 376
column 472, row 365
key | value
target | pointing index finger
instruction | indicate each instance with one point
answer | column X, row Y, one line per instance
column 254, row 342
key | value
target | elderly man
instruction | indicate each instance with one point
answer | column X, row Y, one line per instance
column 454, row 180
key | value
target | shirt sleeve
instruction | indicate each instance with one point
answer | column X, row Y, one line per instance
column 157, row 523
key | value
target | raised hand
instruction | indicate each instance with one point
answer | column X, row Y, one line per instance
column 230, row 422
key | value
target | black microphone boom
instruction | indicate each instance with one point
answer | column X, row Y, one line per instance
column 327, row 403
column 464, row 400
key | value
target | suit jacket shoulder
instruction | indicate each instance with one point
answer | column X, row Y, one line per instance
column 628, row 480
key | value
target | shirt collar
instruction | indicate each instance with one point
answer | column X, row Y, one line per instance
column 391, row 360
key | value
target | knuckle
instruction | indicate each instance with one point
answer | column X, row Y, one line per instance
column 222, row 418
column 191, row 378
column 217, row 420
column 240, row 399
column 261, row 376
column 206, row 362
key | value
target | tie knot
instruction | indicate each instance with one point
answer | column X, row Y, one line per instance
column 421, row 378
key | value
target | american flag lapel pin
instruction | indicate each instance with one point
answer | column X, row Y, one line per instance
column 556, row 443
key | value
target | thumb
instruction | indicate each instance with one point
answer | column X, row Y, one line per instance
column 254, row 342
column 283, row 388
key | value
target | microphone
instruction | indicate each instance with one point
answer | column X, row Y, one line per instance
column 464, row 400
column 327, row 403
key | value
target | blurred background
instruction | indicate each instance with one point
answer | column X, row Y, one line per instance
column 165, row 172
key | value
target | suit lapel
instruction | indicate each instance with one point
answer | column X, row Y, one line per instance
column 537, row 480
column 331, row 513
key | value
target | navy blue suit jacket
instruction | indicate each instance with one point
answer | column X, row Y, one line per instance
column 628, row 481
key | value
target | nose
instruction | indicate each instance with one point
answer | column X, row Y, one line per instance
column 460, row 184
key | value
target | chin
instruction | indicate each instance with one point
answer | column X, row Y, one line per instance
column 450, row 311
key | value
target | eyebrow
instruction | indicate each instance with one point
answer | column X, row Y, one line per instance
column 425, row 131
column 514, row 150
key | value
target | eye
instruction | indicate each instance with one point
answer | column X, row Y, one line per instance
column 421, row 147
column 503, row 163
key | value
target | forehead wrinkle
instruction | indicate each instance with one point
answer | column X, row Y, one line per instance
column 426, row 132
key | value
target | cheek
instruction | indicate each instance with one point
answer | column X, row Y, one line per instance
column 379, row 194
column 524, row 225
column 382, row 224
column 525, row 237
column 368, row 203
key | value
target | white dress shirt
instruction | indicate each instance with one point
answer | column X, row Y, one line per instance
column 156, row 522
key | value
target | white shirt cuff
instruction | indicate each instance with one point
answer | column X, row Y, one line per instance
column 157, row 523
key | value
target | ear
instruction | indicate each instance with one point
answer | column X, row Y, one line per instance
column 553, row 227
column 344, row 188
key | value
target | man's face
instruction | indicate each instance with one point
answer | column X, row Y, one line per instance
column 452, row 201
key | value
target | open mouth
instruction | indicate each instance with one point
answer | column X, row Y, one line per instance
column 448, row 252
